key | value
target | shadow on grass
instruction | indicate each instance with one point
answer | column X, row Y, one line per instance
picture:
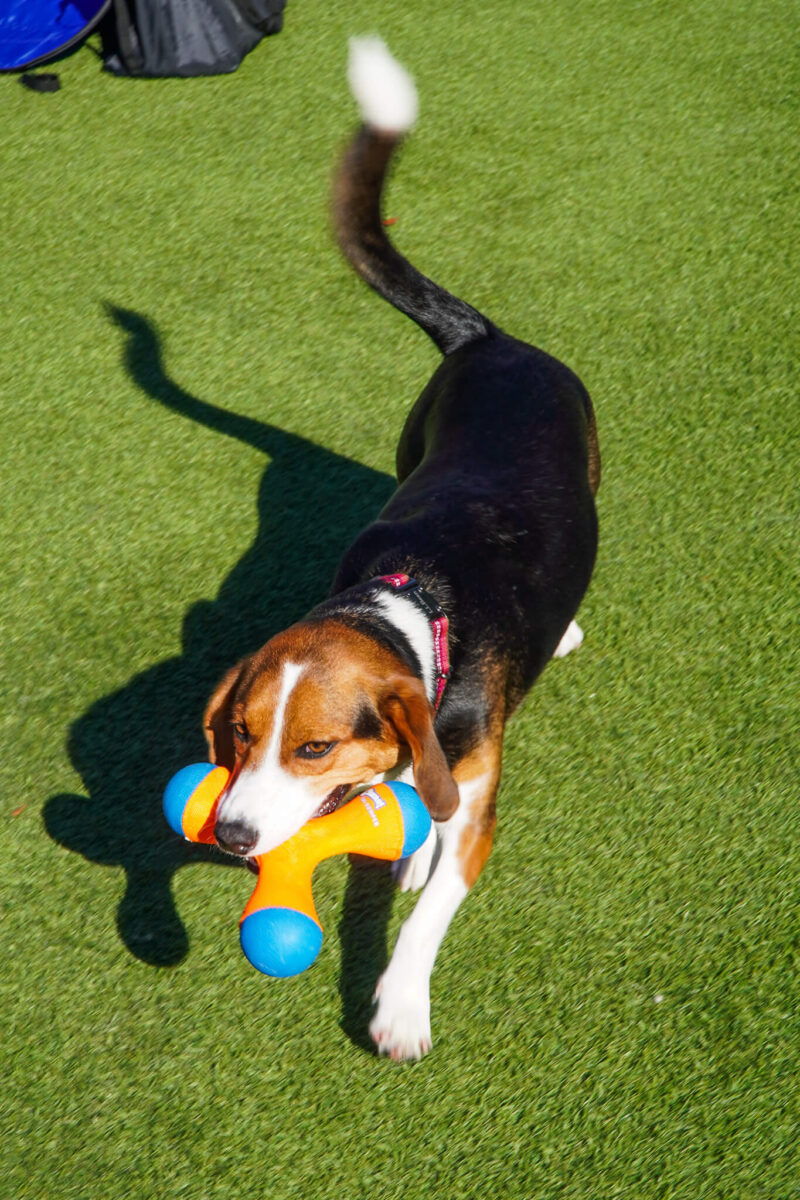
column 127, row 745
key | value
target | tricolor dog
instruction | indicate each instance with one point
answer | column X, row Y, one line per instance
column 443, row 611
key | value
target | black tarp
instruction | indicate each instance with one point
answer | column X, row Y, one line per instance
column 185, row 37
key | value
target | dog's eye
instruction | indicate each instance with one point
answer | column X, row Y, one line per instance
column 314, row 749
column 240, row 733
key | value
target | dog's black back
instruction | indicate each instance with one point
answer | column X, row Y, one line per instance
column 494, row 511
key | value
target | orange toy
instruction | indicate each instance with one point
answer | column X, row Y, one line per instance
column 280, row 931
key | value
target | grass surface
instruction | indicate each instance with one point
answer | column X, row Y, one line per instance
column 199, row 408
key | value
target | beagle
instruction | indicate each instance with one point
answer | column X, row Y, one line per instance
column 443, row 611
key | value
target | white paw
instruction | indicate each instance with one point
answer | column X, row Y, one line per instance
column 401, row 1027
column 570, row 641
column 412, row 873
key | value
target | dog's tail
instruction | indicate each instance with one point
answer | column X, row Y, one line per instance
column 387, row 97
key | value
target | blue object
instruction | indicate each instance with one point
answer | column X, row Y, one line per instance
column 178, row 791
column 416, row 818
column 31, row 31
column 280, row 941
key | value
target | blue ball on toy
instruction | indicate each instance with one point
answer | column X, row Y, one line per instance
column 280, row 941
column 178, row 791
column 416, row 818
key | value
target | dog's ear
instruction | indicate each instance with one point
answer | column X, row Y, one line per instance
column 405, row 707
column 217, row 722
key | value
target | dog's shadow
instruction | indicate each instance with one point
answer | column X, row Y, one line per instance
column 126, row 745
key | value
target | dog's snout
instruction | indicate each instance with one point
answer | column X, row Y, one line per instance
column 235, row 836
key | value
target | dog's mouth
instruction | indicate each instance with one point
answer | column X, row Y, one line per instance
column 332, row 800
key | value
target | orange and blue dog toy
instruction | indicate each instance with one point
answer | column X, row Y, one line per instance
column 280, row 931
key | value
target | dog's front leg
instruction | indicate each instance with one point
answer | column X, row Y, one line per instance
column 401, row 1026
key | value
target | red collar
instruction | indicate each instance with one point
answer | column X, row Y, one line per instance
column 437, row 619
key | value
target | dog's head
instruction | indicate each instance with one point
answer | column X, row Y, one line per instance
column 318, row 710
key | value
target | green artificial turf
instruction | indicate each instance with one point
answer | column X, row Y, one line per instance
column 199, row 408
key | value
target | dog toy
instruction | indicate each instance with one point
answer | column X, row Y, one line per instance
column 280, row 931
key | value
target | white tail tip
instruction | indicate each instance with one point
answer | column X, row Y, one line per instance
column 383, row 89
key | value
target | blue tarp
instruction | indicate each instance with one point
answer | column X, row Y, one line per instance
column 31, row 30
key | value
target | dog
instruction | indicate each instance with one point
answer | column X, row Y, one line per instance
column 443, row 611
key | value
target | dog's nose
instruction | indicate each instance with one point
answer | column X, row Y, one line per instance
column 235, row 836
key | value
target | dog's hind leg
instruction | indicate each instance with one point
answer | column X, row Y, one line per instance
column 401, row 1026
column 413, row 872
column 570, row 641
